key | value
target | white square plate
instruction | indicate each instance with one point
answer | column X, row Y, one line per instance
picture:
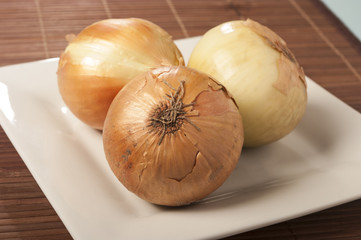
column 315, row 167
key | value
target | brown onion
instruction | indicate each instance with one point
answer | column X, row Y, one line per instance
column 173, row 135
column 105, row 56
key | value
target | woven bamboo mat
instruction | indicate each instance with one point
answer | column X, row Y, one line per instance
column 35, row 29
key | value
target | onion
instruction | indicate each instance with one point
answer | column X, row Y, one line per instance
column 173, row 135
column 260, row 72
column 106, row 55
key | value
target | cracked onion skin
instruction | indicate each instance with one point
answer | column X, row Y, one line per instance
column 105, row 56
column 261, row 73
column 173, row 135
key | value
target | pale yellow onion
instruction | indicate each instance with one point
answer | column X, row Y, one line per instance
column 185, row 159
column 105, row 56
column 260, row 72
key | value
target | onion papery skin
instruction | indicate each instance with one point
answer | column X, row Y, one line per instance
column 105, row 56
column 261, row 73
column 187, row 164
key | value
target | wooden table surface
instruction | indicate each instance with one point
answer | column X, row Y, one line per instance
column 35, row 29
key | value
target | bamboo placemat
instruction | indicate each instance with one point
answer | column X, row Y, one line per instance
column 35, row 29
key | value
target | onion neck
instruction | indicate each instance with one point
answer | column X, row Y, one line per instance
column 168, row 116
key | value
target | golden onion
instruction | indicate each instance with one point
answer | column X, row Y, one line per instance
column 260, row 72
column 105, row 56
column 173, row 135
